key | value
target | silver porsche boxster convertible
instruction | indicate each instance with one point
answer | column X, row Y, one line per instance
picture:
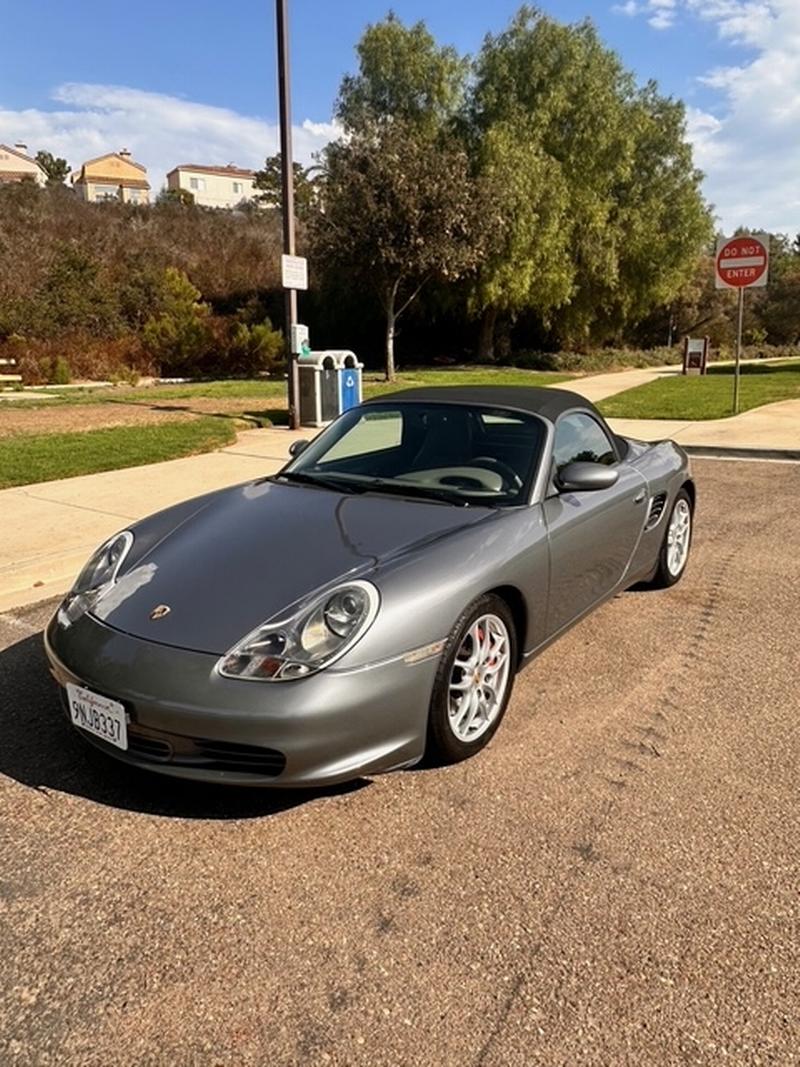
column 373, row 601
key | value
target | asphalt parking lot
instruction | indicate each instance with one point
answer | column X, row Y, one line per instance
column 614, row 881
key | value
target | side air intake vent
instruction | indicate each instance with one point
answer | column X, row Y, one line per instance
column 656, row 511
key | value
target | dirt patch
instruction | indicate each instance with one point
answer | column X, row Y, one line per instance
column 66, row 417
column 73, row 417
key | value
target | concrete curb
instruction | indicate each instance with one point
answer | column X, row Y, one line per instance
column 786, row 455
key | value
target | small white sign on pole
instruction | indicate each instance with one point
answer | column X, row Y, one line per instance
column 294, row 272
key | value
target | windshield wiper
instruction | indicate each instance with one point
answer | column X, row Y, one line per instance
column 322, row 480
column 432, row 492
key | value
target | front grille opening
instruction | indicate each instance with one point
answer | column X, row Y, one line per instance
column 656, row 510
column 232, row 756
column 205, row 752
column 155, row 748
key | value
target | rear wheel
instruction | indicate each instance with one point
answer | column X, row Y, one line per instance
column 474, row 681
column 674, row 554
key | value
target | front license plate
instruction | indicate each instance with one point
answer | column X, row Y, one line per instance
column 98, row 715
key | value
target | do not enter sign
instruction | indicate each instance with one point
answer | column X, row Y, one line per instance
column 742, row 262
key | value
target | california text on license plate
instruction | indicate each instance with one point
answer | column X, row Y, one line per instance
column 98, row 715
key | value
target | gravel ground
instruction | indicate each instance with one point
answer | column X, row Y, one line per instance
column 614, row 881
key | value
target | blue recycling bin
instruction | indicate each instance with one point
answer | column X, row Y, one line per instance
column 349, row 381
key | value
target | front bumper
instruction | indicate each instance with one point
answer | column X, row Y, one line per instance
column 188, row 721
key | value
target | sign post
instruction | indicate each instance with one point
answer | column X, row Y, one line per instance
column 742, row 263
column 287, row 198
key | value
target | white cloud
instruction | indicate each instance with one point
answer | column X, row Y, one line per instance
column 629, row 8
column 661, row 20
column 160, row 130
column 743, row 21
column 749, row 147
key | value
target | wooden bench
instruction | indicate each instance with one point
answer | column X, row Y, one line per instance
column 7, row 378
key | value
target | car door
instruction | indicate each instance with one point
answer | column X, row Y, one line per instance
column 592, row 534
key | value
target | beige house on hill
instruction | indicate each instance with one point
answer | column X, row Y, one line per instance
column 115, row 176
column 17, row 166
column 214, row 186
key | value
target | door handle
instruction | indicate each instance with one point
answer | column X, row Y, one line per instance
column 639, row 497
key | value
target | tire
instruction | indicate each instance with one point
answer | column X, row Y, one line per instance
column 670, row 569
column 462, row 721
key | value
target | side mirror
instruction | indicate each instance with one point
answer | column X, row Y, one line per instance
column 585, row 477
column 296, row 447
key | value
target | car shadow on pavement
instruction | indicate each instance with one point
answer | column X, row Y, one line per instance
column 39, row 749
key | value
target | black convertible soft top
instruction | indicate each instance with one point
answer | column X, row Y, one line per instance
column 547, row 402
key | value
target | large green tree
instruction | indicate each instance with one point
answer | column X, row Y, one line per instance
column 527, row 265
column 612, row 192
column 402, row 74
column 400, row 205
column 401, row 209
column 659, row 215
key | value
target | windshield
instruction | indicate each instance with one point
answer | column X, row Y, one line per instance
column 456, row 453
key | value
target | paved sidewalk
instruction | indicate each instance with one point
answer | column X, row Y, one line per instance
column 772, row 428
column 49, row 529
column 596, row 387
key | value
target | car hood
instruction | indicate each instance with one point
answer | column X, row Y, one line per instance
column 252, row 551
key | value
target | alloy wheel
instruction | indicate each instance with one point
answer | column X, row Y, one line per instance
column 678, row 537
column 479, row 678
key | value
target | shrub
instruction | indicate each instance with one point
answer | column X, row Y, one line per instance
column 84, row 357
column 74, row 296
column 60, row 374
column 761, row 351
column 178, row 336
column 595, row 362
column 247, row 350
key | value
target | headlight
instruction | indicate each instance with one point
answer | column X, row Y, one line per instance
column 98, row 575
column 103, row 568
column 313, row 638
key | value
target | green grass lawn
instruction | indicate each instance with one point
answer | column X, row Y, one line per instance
column 103, row 394
column 37, row 457
column 707, row 397
column 260, row 389
column 28, row 458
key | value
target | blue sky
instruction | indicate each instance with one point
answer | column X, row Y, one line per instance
column 196, row 83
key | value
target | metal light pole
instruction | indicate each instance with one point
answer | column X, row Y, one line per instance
column 287, row 194
column 737, row 368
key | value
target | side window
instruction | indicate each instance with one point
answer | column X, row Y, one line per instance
column 579, row 439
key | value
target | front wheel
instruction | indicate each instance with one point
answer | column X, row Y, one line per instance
column 474, row 681
column 674, row 553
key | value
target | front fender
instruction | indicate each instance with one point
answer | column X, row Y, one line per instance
column 424, row 593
